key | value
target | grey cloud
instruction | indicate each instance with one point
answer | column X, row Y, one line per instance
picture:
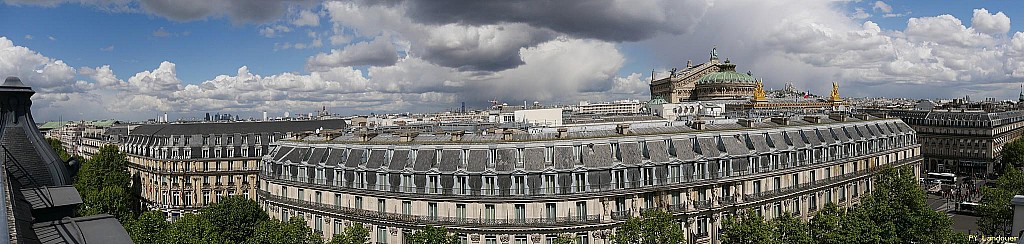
column 379, row 52
column 611, row 20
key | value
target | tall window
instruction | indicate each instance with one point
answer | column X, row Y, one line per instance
column 552, row 211
column 432, row 209
column 489, row 211
column 519, row 185
column 580, row 182
column 460, row 211
column 359, row 203
column 489, row 185
column 581, row 210
column 381, row 205
column 549, row 184
column 406, row 207
column 520, row 212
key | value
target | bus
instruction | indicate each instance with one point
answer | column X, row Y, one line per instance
column 968, row 208
column 945, row 178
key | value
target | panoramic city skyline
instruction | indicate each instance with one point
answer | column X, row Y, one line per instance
column 138, row 60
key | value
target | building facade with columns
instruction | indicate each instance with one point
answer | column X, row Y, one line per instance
column 962, row 142
column 517, row 187
column 184, row 167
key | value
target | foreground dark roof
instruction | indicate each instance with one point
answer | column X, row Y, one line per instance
column 238, row 127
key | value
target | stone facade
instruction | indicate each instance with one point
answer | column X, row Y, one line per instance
column 530, row 188
column 962, row 142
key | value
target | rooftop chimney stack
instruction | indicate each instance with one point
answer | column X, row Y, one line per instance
column 813, row 119
column 746, row 122
column 506, row 134
column 780, row 120
column 457, row 135
column 563, row 132
column 622, row 129
column 698, row 125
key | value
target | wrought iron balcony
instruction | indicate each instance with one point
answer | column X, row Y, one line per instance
column 431, row 220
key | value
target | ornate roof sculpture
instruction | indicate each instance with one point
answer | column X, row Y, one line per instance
column 35, row 184
column 759, row 93
column 835, row 92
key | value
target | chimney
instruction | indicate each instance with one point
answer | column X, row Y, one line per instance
column 780, row 120
column 697, row 125
column 457, row 135
column 837, row 116
column 812, row 118
column 622, row 129
column 862, row 116
column 746, row 122
column 406, row 136
column 506, row 134
column 563, row 132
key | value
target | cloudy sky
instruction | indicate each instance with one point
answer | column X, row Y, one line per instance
column 137, row 59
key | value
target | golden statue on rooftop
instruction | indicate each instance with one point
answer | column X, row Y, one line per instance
column 835, row 92
column 759, row 93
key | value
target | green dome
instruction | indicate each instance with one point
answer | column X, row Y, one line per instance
column 726, row 77
column 726, row 74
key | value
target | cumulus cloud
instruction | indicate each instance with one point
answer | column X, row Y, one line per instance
column 28, row 37
column 987, row 23
column 43, row 73
column 160, row 81
column 378, row 52
column 274, row 31
column 882, row 6
column 307, row 18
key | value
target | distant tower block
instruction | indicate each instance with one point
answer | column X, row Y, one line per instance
column 264, row 115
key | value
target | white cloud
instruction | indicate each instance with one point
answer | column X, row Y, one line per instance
column 882, row 6
column 274, row 31
column 44, row 73
column 107, row 49
column 991, row 24
column 51, row 38
column 158, row 82
column 28, row 37
column 860, row 14
column 307, row 18
column 161, row 32
column 378, row 52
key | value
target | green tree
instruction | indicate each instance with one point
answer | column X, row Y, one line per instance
column 1013, row 153
column 896, row 203
column 748, row 227
column 236, row 217
column 295, row 231
column 191, row 229
column 353, row 234
column 59, row 148
column 434, row 235
column 104, row 183
column 996, row 214
column 791, row 229
column 825, row 226
column 651, row 227
column 564, row 239
column 147, row 228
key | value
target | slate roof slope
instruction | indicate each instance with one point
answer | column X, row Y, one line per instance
column 238, row 127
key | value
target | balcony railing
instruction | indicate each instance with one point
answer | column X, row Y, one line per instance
column 621, row 215
column 372, row 214
column 547, row 191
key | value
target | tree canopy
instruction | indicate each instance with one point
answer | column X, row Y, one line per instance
column 650, row 227
column 294, row 231
column 105, row 185
column 894, row 212
column 353, row 234
column 434, row 235
column 59, row 148
column 996, row 213
column 236, row 217
column 1013, row 153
